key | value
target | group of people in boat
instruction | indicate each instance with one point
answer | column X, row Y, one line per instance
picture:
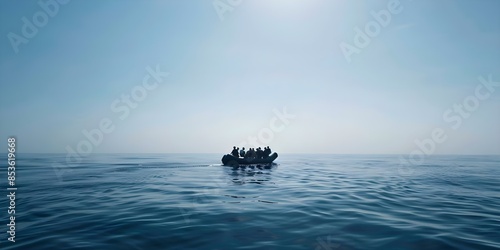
column 252, row 153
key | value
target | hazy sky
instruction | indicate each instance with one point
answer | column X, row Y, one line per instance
column 235, row 70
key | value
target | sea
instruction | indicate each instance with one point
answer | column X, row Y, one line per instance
column 303, row 201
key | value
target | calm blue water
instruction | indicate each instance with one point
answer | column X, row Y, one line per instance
column 324, row 202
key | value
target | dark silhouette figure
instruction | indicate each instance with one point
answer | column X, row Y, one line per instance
column 242, row 152
column 235, row 152
column 250, row 154
column 267, row 152
column 260, row 153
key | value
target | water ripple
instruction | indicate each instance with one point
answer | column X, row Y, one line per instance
column 306, row 202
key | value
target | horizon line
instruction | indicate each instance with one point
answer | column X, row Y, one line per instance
column 449, row 154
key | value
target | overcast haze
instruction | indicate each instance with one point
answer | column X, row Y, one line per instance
column 231, row 73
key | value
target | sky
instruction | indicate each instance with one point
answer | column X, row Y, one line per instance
column 302, row 76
